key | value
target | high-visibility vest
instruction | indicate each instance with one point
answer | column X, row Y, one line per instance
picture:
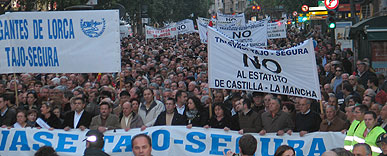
column 350, row 133
column 371, row 138
column 358, row 136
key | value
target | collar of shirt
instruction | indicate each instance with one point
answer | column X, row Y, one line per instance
column 307, row 112
column 233, row 112
column 181, row 109
column 248, row 111
column 77, row 117
column 5, row 111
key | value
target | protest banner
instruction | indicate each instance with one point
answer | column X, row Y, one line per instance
column 60, row 42
column 202, row 27
column 231, row 20
column 236, row 65
column 185, row 26
column 168, row 31
column 166, row 141
column 254, row 34
column 276, row 30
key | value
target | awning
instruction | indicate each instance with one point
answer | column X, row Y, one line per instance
column 371, row 23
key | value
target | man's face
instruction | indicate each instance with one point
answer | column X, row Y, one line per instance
column 304, row 107
column 369, row 120
column 79, row 105
column 218, row 97
column 104, row 110
column 349, row 113
column 258, row 100
column 2, row 103
column 384, row 148
column 183, row 98
column 359, row 151
column 239, row 105
column 266, row 100
column 124, row 98
column 274, row 106
column 169, row 106
column 126, row 108
column 141, row 147
column 358, row 114
column 367, row 101
column 332, row 101
column 383, row 113
column 352, row 80
column 330, row 112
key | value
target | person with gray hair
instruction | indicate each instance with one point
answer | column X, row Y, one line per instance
column 362, row 149
column 332, row 122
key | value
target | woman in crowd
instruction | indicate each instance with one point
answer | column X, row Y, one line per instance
column 135, row 105
column 220, row 120
column 32, row 115
column 21, row 119
column 58, row 114
column 32, row 99
column 285, row 150
column 196, row 115
column 49, row 117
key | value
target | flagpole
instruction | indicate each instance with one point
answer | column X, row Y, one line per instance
column 16, row 92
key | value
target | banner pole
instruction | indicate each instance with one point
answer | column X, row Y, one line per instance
column 210, row 105
column 16, row 94
column 321, row 107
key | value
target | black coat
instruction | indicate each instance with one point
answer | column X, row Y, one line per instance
column 9, row 117
column 94, row 152
column 176, row 120
column 225, row 122
column 85, row 119
column 52, row 121
column 200, row 120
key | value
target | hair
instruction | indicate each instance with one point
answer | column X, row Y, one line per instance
column 366, row 147
column 142, row 135
column 179, row 93
column 33, row 93
column 342, row 152
column 348, row 87
column 79, row 98
column 197, row 102
column 46, row 151
column 221, row 106
column 281, row 150
column 105, row 103
column 149, row 90
column 247, row 101
column 32, row 111
column 171, row 99
column 22, row 111
column 374, row 80
column 248, row 144
column 362, row 108
column 276, row 99
column 290, row 106
column 372, row 113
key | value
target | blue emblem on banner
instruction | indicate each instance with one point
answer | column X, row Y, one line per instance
column 93, row 28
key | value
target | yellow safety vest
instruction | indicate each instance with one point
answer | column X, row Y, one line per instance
column 358, row 136
column 371, row 138
column 350, row 133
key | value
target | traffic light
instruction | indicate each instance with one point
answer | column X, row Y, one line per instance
column 331, row 19
column 258, row 7
column 254, row 7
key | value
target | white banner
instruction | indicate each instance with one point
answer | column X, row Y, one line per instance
column 168, row 31
column 185, row 26
column 202, row 27
column 276, row 30
column 60, row 42
column 166, row 141
column 235, row 65
column 236, row 20
column 254, row 34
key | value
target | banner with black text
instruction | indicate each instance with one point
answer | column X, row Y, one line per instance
column 168, row 31
column 185, row 26
column 236, row 65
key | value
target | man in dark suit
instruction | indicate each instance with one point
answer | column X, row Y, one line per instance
column 79, row 118
column 170, row 116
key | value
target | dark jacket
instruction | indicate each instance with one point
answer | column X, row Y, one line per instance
column 85, row 119
column 176, row 120
column 336, row 125
column 94, row 152
column 307, row 122
column 225, row 122
column 250, row 123
column 9, row 117
column 235, row 122
column 52, row 121
column 200, row 119
column 281, row 121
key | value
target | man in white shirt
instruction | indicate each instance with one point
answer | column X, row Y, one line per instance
column 78, row 118
column 181, row 101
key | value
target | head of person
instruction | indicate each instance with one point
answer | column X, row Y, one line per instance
column 359, row 112
column 219, row 110
column 341, row 152
column 170, row 105
column 79, row 104
column 362, row 149
column 46, row 151
column 194, row 103
column 126, row 108
column 383, row 112
column 288, row 107
column 148, row 95
column 94, row 139
column 21, row 117
column 304, row 105
column 368, row 100
column 349, row 113
column 32, row 115
column 135, row 104
column 181, row 97
column 352, row 80
column 266, row 100
column 246, row 104
column 219, row 97
column 32, row 97
column 275, row 105
column 332, row 100
column 3, row 105
column 370, row 119
column 142, row 145
column 330, row 112
column 105, row 109
column 247, row 145
column 56, row 111
column 284, row 150
column 258, row 98
column 124, row 96
column 46, row 108
column 382, row 142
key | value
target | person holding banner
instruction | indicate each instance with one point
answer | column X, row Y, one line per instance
column 220, row 120
column 48, row 117
column 150, row 109
column 275, row 120
column 170, row 116
column 7, row 116
column 196, row 115
column 79, row 118
column 105, row 121
column 249, row 121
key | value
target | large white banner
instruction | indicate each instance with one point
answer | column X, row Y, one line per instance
column 255, row 34
column 168, row 31
column 276, row 30
column 236, row 20
column 235, row 65
column 166, row 141
column 60, row 42
column 185, row 26
column 202, row 27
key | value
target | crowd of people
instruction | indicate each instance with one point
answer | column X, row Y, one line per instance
column 164, row 82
